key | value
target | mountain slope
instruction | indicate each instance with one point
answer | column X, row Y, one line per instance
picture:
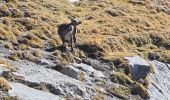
column 111, row 30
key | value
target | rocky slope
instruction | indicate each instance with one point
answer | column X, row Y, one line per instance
column 105, row 66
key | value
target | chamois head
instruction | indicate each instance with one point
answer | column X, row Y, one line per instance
column 75, row 22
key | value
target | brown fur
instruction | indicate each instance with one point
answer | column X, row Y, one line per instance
column 67, row 32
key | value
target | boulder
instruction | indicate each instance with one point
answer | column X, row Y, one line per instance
column 3, row 70
column 140, row 68
column 70, row 71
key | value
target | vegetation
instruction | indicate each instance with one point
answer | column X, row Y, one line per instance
column 111, row 30
column 121, row 78
column 7, row 65
column 135, row 25
column 138, row 89
column 4, row 84
column 120, row 91
column 10, row 98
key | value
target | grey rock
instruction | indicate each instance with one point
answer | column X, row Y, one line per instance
column 89, row 69
column 70, row 71
column 61, row 84
column 140, row 67
column 27, row 93
column 140, row 2
column 73, row 1
column 3, row 70
column 159, row 89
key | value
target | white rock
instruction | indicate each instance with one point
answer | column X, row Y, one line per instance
column 159, row 89
column 89, row 69
column 140, row 68
column 136, row 60
column 73, row 1
column 61, row 83
column 27, row 93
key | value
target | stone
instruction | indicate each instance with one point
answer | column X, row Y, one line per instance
column 72, row 1
column 27, row 93
column 3, row 70
column 89, row 70
column 160, row 81
column 140, row 68
column 70, row 71
column 59, row 84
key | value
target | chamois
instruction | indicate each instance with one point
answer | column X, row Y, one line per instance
column 67, row 32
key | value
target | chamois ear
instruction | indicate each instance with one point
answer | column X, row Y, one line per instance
column 72, row 18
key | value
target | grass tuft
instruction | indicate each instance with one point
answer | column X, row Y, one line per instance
column 4, row 84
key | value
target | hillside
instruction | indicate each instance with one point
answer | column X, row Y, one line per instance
column 110, row 31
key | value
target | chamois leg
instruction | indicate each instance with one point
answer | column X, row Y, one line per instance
column 71, row 41
column 74, row 39
column 63, row 45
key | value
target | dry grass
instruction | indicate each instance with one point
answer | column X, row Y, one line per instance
column 120, row 91
column 116, row 55
column 82, row 76
column 31, row 40
column 7, row 65
column 10, row 98
column 165, row 56
column 23, row 47
column 121, row 29
column 33, row 56
column 34, row 41
column 111, row 29
column 8, row 45
column 7, row 34
column 98, row 96
column 139, row 89
column 15, row 56
column 121, row 78
column 38, row 53
column 13, row 1
column 4, row 84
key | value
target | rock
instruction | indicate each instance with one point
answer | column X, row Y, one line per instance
column 27, row 93
column 72, row 1
column 160, row 85
column 140, row 68
column 47, row 63
column 70, row 71
column 3, row 94
column 163, row 9
column 115, row 13
column 140, row 2
column 77, row 60
column 60, row 84
column 89, row 70
column 101, row 66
